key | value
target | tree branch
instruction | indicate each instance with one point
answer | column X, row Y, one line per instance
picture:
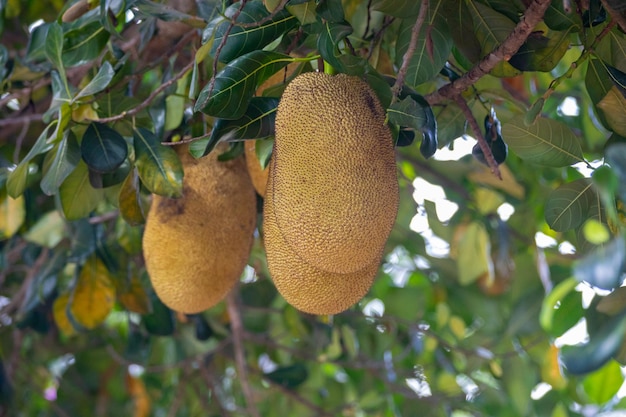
column 406, row 59
column 533, row 15
column 150, row 98
column 240, row 358
column 618, row 16
column 482, row 142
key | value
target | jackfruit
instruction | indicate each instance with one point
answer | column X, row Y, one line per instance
column 305, row 287
column 196, row 247
column 335, row 186
column 258, row 175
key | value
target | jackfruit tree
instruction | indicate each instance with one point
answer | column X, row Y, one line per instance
column 438, row 227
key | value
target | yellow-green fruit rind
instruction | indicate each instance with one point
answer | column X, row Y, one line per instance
column 196, row 247
column 335, row 182
column 303, row 286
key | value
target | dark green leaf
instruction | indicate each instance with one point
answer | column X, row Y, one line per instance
column 603, row 267
column 331, row 11
column 228, row 97
column 491, row 29
column 102, row 148
column 289, row 376
column 257, row 123
column 258, row 294
column 547, row 142
column 433, row 48
column 36, row 50
column 161, row 320
column 54, row 47
column 541, row 51
column 612, row 49
column 201, row 327
column 242, row 40
column 602, row 345
column 568, row 206
column 84, row 44
column 66, row 157
column 461, row 28
column 557, row 18
column 397, row 8
column 327, row 44
column 158, row 166
column 99, row 82
column 407, row 113
column 618, row 77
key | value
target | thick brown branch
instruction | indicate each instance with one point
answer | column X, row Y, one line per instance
column 533, row 15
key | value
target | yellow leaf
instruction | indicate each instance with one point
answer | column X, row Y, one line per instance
column 551, row 370
column 133, row 297
column 613, row 105
column 487, row 201
column 139, row 394
column 93, row 296
column 12, row 214
column 457, row 326
column 48, row 231
column 471, row 249
column 59, row 312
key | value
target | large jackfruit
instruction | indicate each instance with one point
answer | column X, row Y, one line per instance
column 196, row 247
column 332, row 195
column 335, row 182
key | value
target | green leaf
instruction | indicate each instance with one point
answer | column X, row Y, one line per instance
column 158, row 166
column 615, row 156
column 241, row 39
column 17, row 181
column 602, row 345
column 546, row 142
column 160, row 321
column 36, row 50
column 84, row 44
column 99, row 82
column 397, row 8
column 568, row 206
column 604, row 383
column 78, row 197
column 257, row 123
column 549, row 306
column 473, row 254
column 102, row 148
column 542, row 51
column 407, row 113
column 234, row 86
column 328, row 41
column 491, row 29
column 603, row 267
column 94, row 295
column 461, row 25
column 66, row 158
column 612, row 49
column 289, row 376
column 54, row 47
column 556, row 18
column 433, row 48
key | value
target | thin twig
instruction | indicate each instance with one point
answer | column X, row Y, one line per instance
column 240, row 358
column 533, row 15
column 223, row 43
column 27, row 119
column 150, row 98
column 213, row 385
column 408, row 55
column 482, row 142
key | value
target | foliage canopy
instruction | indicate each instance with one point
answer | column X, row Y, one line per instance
column 466, row 314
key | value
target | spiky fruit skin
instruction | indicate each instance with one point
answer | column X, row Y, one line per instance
column 335, row 186
column 196, row 247
column 302, row 285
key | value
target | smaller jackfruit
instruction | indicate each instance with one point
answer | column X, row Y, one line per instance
column 258, row 175
column 196, row 247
